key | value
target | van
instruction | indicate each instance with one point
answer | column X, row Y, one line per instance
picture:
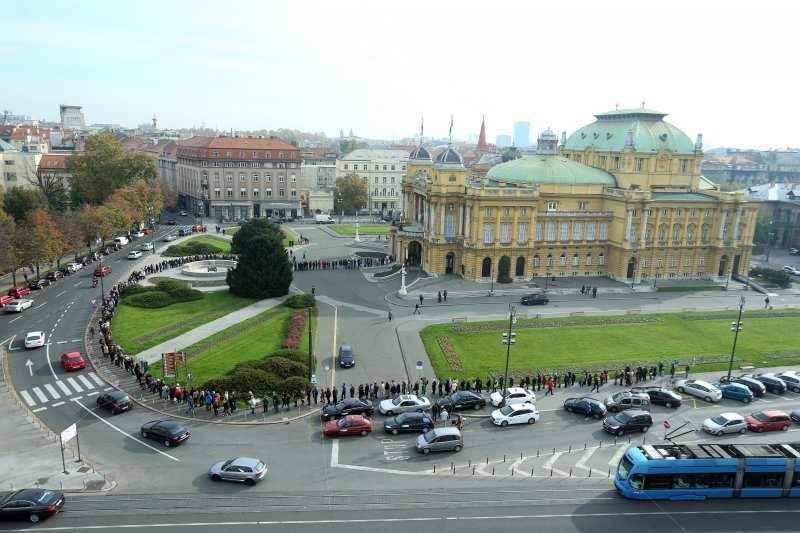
column 627, row 400
column 440, row 440
column 122, row 241
column 323, row 219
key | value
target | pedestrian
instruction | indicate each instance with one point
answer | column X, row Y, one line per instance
column 672, row 371
column 251, row 402
column 313, row 289
column 766, row 302
column 420, row 299
column 445, row 295
column 686, row 371
column 583, row 289
column 91, row 330
column 440, row 296
column 265, row 402
column 596, row 386
column 594, row 292
column 26, row 278
column 276, row 400
column 416, row 308
column 549, row 387
column 190, row 408
column 390, row 316
column 444, row 415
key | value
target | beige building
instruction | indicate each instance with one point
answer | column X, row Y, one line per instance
column 622, row 197
column 382, row 170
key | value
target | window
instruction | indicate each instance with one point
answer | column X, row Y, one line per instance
column 280, row 155
column 725, row 232
column 255, row 164
column 673, row 261
column 345, row 166
column 588, row 260
column 662, row 233
column 524, row 211
column 590, row 231
column 562, row 261
column 704, row 234
column 679, row 213
column 376, row 192
column 564, row 234
column 216, row 153
column 616, row 163
column 229, row 192
column 392, row 179
column 384, row 167
column 267, row 155
column 551, row 231
column 392, row 169
column 639, row 164
column 690, row 234
column 255, row 177
column 269, row 193
column 551, row 206
column 549, row 262
column 256, row 192
column 693, row 213
column 707, row 213
column 676, row 232
column 601, row 259
column 506, row 211
column 376, row 167
column 293, row 155
column 376, row 180
column 268, row 178
column 228, row 177
column 281, row 193
column 687, row 262
column 522, row 233
column 243, row 192
column 216, row 176
column 487, row 234
column 293, row 193
column 537, row 236
column 216, row 192
column 684, row 165
column 577, row 231
column 632, row 234
column 575, row 260
column 450, row 226
column 647, row 234
column 658, row 262
column 365, row 167
column 603, row 231
column 227, row 153
column 702, row 261
column 536, row 261
column 242, row 176
column 645, row 263
column 488, row 211
column 281, row 178
column 241, row 153
column 582, row 206
column 293, row 178
column 505, row 233
column 664, row 212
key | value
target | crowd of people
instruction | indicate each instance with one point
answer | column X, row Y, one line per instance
column 342, row 263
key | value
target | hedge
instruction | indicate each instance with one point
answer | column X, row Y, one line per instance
column 300, row 301
column 150, row 299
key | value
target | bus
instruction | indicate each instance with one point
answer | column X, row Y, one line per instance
column 704, row 471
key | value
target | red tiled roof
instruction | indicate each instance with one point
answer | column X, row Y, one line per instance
column 239, row 143
column 51, row 161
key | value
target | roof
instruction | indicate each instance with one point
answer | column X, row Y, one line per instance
column 649, row 131
column 682, row 197
column 369, row 154
column 49, row 161
column 420, row 153
column 773, row 192
column 238, row 143
column 449, row 158
column 551, row 169
column 5, row 147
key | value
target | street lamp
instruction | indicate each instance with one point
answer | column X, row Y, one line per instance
column 736, row 327
column 655, row 280
column 310, row 325
column 770, row 236
column 102, row 288
column 508, row 339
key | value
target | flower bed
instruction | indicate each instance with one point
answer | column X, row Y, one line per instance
column 780, row 355
column 450, row 354
column 558, row 324
column 295, row 330
column 735, row 315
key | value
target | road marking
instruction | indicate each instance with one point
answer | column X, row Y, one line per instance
column 108, row 389
column 58, row 404
column 60, row 293
column 64, row 388
column 39, row 394
column 49, row 362
column 76, row 398
column 62, row 342
column 97, row 380
column 86, row 382
column 550, row 462
column 9, row 339
column 109, row 424
column 75, row 340
column 95, row 393
column 52, row 391
column 74, row 384
column 14, row 320
column 617, row 456
column 39, row 409
column 586, row 456
column 335, row 464
column 27, row 397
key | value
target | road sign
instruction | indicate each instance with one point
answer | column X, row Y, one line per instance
column 68, row 433
column 419, row 365
column 327, row 368
column 313, row 379
column 666, row 424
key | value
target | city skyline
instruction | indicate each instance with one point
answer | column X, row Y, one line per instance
column 379, row 69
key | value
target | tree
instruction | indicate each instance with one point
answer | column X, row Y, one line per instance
column 263, row 269
column 504, row 270
column 101, row 222
column 140, row 200
column 72, row 233
column 351, row 193
column 15, row 246
column 347, row 145
column 46, row 244
column 20, row 201
column 52, row 184
column 763, row 227
column 104, row 168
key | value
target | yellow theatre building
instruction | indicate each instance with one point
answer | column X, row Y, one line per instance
column 622, row 197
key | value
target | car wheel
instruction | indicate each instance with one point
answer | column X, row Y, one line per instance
column 249, row 482
column 570, row 409
column 477, row 406
column 389, row 413
column 645, row 428
column 681, row 389
column 746, row 400
column 457, row 449
column 425, row 430
column 785, row 428
column 718, row 433
column 668, row 405
column 614, row 409
column 708, row 399
column 777, row 391
column 144, row 434
column 620, row 433
column 426, row 451
column 504, row 423
column 364, row 433
column 761, row 430
column 743, row 431
column 596, row 416
column 531, row 420
column 215, row 477
column 796, row 389
column 34, row 517
column 167, row 443
column 395, row 432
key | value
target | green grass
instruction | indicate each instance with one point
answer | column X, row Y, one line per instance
column 363, row 229
column 219, row 242
column 232, row 231
column 395, row 268
column 134, row 327
column 613, row 345
column 690, row 289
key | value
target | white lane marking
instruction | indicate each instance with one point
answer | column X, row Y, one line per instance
column 109, row 424
column 550, row 462
column 76, row 398
column 58, row 403
column 62, row 342
column 64, row 388
column 39, row 394
column 74, row 384
column 617, row 456
column 582, row 461
column 86, row 382
column 9, row 339
column 108, row 389
column 49, row 362
column 335, row 464
column 75, row 340
column 14, row 320
column 95, row 393
column 27, row 397
column 52, row 391
column 96, row 379
column 60, row 293
column 39, row 409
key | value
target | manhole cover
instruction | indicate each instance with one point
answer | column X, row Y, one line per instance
column 84, row 469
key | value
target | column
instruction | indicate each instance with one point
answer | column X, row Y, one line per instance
column 723, row 219
column 736, row 235
column 628, row 225
column 644, row 227
column 432, row 222
column 443, row 208
column 468, row 222
column 460, row 229
column 405, row 204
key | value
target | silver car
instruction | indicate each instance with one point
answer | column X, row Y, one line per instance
column 439, row 440
column 243, row 469
column 17, row 306
column 725, row 423
column 403, row 404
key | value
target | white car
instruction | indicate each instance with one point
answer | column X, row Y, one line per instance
column 75, row 266
column 34, row 339
column 134, row 254
column 699, row 388
column 16, row 306
column 513, row 395
column 169, row 238
column 146, row 247
column 137, row 234
column 183, row 213
column 725, row 423
column 791, row 378
column 791, row 270
column 404, row 403
column 515, row 413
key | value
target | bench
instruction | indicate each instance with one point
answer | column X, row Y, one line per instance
column 633, row 312
column 790, row 306
column 459, row 319
column 576, row 313
column 747, row 367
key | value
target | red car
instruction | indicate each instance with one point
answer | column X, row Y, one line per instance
column 147, row 231
column 768, row 420
column 102, row 271
column 73, row 361
column 348, row 425
column 5, row 300
column 197, row 228
column 18, row 292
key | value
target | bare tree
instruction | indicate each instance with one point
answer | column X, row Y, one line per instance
column 52, row 183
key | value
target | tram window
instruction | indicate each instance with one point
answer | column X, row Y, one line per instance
column 657, row 481
column 637, row 481
column 796, row 480
column 721, row 481
column 681, row 481
column 701, row 481
column 764, row 480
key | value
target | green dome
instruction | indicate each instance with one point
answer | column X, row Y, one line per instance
column 550, row 169
column 650, row 133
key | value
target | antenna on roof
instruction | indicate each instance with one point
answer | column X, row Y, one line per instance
column 616, row 107
column 450, row 135
column 642, row 104
column 421, row 128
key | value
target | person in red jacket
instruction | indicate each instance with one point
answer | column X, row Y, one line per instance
column 549, row 387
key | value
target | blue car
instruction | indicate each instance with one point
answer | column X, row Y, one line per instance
column 586, row 406
column 735, row 391
column 410, row 421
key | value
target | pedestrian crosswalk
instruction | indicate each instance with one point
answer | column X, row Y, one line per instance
column 88, row 383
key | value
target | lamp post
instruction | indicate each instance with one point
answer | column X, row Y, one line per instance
column 770, row 236
column 310, row 357
column 633, row 277
column 102, row 288
column 655, row 280
column 508, row 339
column 736, row 327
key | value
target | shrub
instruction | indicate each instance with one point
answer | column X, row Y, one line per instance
column 300, row 301
column 169, row 285
column 295, row 329
column 134, row 288
column 178, row 291
column 294, row 355
column 150, row 299
column 196, row 247
column 504, row 270
column 246, row 380
column 283, row 368
column 293, row 384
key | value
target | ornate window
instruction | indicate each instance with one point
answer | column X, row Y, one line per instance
column 562, row 261
column 704, row 233
column 487, row 234
column 450, row 226
column 588, row 260
column 690, row 233
column 551, row 231
column 590, row 231
column 676, row 232
column 603, row 231
column 536, row 261
column 577, row 231
column 522, row 233
column 575, row 260
column 601, row 260
column 537, row 236
column 549, row 260
column 662, row 232
column 564, row 236
column 647, row 235
column 632, row 234
column 505, row 233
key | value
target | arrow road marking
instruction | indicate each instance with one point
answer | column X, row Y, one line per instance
column 29, row 364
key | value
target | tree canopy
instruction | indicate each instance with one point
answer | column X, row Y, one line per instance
column 20, row 201
column 351, row 193
column 264, row 269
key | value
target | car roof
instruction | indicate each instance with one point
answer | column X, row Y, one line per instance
column 446, row 431
column 730, row 415
column 525, row 405
column 36, row 333
column 635, row 412
column 117, row 394
column 354, row 418
column 772, row 412
column 245, row 461
column 515, row 389
column 73, row 354
column 404, row 397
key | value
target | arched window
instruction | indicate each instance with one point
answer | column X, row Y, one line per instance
column 536, row 261
column 690, row 233
column 564, row 236
column 549, row 260
column 601, row 260
column 537, row 236
column 704, row 232
column 588, row 259
column 648, row 233
column 551, row 231
column 487, row 234
column 450, row 226
column 662, row 232
column 577, row 231
column 562, row 261
column 676, row 232
column 522, row 233
column 505, row 233
column 575, row 260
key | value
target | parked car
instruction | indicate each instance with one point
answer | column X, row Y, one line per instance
column 410, row 421
column 148, row 231
column 170, row 222
column 773, row 383
column 169, row 238
column 535, row 299
column 247, row 470
column 440, row 440
column 756, row 387
column 119, row 242
column 585, row 406
column 39, row 284
column 701, row 389
column 72, row 361
column 768, row 420
column 19, row 305
column 137, row 234
column 18, row 292
column 146, row 247
column 792, row 380
column 628, row 421
column 735, row 391
column 462, row 399
column 513, row 395
column 515, row 413
column 102, row 271
column 794, row 251
column 184, row 232
column 170, row 432
column 795, row 415
column 661, row 396
column 54, row 275
column 197, row 228
column 725, row 423
column 34, row 339
column 627, row 400
column 347, row 358
column 30, row 504
column 134, row 254
column 791, row 270
column 348, row 406
column 183, row 213
column 403, row 404
column 115, row 401
column 348, row 425
column 75, row 266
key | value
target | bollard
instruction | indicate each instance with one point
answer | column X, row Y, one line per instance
column 504, row 458
column 644, row 441
column 473, row 470
column 609, row 472
column 570, row 472
column 584, row 446
column 537, row 453
column 551, row 471
column 37, row 484
column 629, row 439
column 590, row 472
column 615, row 441
column 454, row 469
column 512, row 471
column 520, row 455
column 570, row 449
column 492, row 470
column 62, row 485
column 554, row 451
column 601, row 444
column 434, row 468
column 470, row 462
column 452, row 464
column 487, row 460
column 531, row 471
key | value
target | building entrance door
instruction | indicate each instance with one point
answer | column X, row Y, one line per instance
column 449, row 263
column 631, row 268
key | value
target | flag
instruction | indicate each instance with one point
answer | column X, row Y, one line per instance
column 421, row 128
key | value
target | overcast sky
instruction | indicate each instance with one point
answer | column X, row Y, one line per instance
column 726, row 69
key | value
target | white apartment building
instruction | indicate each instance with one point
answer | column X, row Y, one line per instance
column 383, row 170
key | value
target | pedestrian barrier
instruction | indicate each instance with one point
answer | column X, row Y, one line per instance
column 459, row 319
column 576, row 313
column 790, row 306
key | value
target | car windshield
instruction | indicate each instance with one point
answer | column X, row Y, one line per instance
column 507, row 410
column 625, row 466
column 455, row 397
column 761, row 417
column 341, row 422
column 397, row 400
column 45, row 496
column 623, row 417
column 429, row 436
column 618, row 396
column 719, row 420
column 401, row 418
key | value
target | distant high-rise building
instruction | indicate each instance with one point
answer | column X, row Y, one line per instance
column 522, row 134
column 72, row 118
column 503, row 140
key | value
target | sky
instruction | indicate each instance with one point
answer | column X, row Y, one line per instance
column 724, row 69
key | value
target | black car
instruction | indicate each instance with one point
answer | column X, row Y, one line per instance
column 411, row 421
column 347, row 357
column 755, row 386
column 772, row 384
column 462, row 399
column 115, row 401
column 349, row 406
column 661, row 396
column 54, row 275
column 30, row 504
column 628, row 421
column 170, row 222
column 38, row 284
column 167, row 431
column 535, row 299
column 795, row 416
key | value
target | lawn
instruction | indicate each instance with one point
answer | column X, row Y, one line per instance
column 363, row 229
column 219, row 242
column 613, row 345
column 137, row 329
column 232, row 231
